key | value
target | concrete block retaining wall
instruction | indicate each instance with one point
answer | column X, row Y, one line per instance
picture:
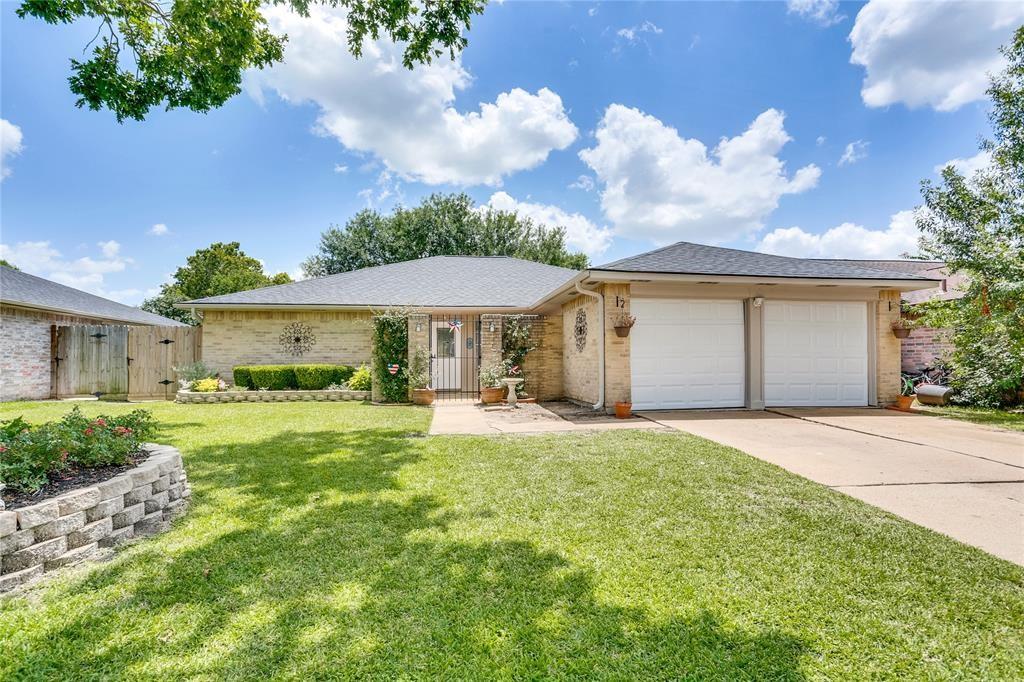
column 77, row 525
column 268, row 396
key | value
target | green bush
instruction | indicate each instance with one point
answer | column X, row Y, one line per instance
column 30, row 454
column 274, row 377
column 319, row 377
column 242, row 377
column 361, row 380
column 391, row 347
column 206, row 385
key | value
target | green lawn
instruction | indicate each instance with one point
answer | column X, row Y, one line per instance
column 333, row 540
column 1004, row 419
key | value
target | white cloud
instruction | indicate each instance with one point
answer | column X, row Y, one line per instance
column 855, row 151
column 592, row 11
column 340, row 168
column 407, row 118
column 935, row 54
column 661, row 186
column 822, row 12
column 821, row 140
column 86, row 273
column 583, row 182
column 846, row 241
column 580, row 233
column 158, row 230
column 632, row 33
column 968, row 167
column 10, row 145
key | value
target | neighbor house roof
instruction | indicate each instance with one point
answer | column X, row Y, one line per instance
column 434, row 282
column 685, row 258
column 28, row 291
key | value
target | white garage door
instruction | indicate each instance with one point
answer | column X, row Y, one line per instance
column 815, row 353
column 687, row 353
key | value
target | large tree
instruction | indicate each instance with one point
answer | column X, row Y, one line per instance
column 442, row 225
column 192, row 53
column 218, row 269
column 976, row 225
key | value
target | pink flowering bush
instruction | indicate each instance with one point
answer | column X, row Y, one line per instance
column 30, row 455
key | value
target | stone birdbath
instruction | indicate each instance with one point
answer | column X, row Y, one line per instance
column 512, row 383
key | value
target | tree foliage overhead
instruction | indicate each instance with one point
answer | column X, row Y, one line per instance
column 976, row 225
column 191, row 53
column 218, row 269
column 442, row 225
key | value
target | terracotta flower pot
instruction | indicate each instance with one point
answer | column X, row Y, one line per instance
column 901, row 332
column 904, row 402
column 492, row 395
column 423, row 396
column 623, row 410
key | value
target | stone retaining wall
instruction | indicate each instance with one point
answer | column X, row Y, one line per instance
column 77, row 525
column 268, row 396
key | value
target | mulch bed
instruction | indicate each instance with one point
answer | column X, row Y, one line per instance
column 70, row 479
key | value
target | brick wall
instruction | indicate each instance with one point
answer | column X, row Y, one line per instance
column 250, row 337
column 618, row 380
column 25, row 354
column 543, row 365
column 888, row 348
column 579, row 367
column 925, row 347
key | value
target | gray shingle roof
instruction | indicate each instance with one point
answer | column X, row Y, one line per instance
column 435, row 282
column 698, row 259
column 911, row 266
column 22, row 289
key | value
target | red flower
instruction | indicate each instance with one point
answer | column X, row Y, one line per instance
column 3, row 448
column 100, row 422
column 88, row 432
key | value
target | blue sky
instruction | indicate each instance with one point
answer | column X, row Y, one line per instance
column 605, row 117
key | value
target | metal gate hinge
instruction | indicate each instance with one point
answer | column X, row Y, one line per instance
column 166, row 341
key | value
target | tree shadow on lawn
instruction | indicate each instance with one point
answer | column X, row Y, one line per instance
column 322, row 566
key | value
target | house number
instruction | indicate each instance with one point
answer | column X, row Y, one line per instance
column 620, row 302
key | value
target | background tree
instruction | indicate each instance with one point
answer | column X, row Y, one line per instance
column 976, row 225
column 191, row 53
column 218, row 269
column 442, row 225
column 12, row 266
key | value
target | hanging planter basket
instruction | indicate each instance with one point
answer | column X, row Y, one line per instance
column 623, row 323
column 901, row 332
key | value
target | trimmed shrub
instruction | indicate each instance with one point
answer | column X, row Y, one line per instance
column 206, row 385
column 274, row 377
column 242, row 377
column 361, row 380
column 390, row 351
column 319, row 377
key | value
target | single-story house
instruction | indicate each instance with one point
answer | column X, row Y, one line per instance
column 715, row 327
column 30, row 309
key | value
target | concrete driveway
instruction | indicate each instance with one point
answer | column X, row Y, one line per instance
column 961, row 479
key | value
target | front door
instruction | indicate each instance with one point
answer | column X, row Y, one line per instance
column 446, row 374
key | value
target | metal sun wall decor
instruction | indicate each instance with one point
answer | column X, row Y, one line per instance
column 297, row 338
column 580, row 330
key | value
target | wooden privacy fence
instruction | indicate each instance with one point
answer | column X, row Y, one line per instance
column 117, row 362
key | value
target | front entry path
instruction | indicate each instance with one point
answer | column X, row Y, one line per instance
column 469, row 417
column 961, row 479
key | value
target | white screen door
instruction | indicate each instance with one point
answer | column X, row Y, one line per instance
column 447, row 373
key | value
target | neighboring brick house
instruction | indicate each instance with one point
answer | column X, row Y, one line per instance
column 30, row 308
column 715, row 327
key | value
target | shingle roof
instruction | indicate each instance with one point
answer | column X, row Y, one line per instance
column 698, row 259
column 22, row 289
column 435, row 282
column 911, row 266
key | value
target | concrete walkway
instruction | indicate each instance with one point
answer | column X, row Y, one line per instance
column 528, row 418
column 961, row 479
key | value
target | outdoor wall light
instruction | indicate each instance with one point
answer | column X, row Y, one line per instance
column 419, row 326
column 490, row 326
column 758, row 301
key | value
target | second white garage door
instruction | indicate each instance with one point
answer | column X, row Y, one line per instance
column 687, row 353
column 815, row 354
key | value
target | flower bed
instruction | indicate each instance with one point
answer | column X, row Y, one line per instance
column 269, row 396
column 84, row 522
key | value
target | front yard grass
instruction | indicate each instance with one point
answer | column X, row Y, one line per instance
column 1004, row 419
column 333, row 540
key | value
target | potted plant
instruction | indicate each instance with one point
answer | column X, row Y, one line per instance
column 623, row 410
column 906, row 397
column 492, row 389
column 623, row 323
column 418, row 374
column 901, row 328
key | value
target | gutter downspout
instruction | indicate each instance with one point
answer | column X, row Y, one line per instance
column 600, row 346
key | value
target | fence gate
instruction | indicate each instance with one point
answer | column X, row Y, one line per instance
column 91, row 360
column 118, row 362
column 455, row 356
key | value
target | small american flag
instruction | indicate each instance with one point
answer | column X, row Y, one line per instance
column 455, row 325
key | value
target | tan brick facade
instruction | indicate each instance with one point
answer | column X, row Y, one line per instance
column 579, row 366
column 888, row 350
column 244, row 337
column 543, row 366
column 618, row 380
column 490, row 340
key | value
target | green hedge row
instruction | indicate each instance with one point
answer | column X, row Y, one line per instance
column 291, row 377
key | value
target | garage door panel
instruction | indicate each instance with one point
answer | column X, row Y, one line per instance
column 687, row 353
column 815, row 353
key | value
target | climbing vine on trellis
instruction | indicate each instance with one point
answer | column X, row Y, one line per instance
column 516, row 344
column 391, row 351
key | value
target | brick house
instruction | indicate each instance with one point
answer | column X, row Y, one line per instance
column 30, row 308
column 714, row 327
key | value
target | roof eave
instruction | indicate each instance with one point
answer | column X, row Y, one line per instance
column 362, row 307
column 641, row 276
column 81, row 313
